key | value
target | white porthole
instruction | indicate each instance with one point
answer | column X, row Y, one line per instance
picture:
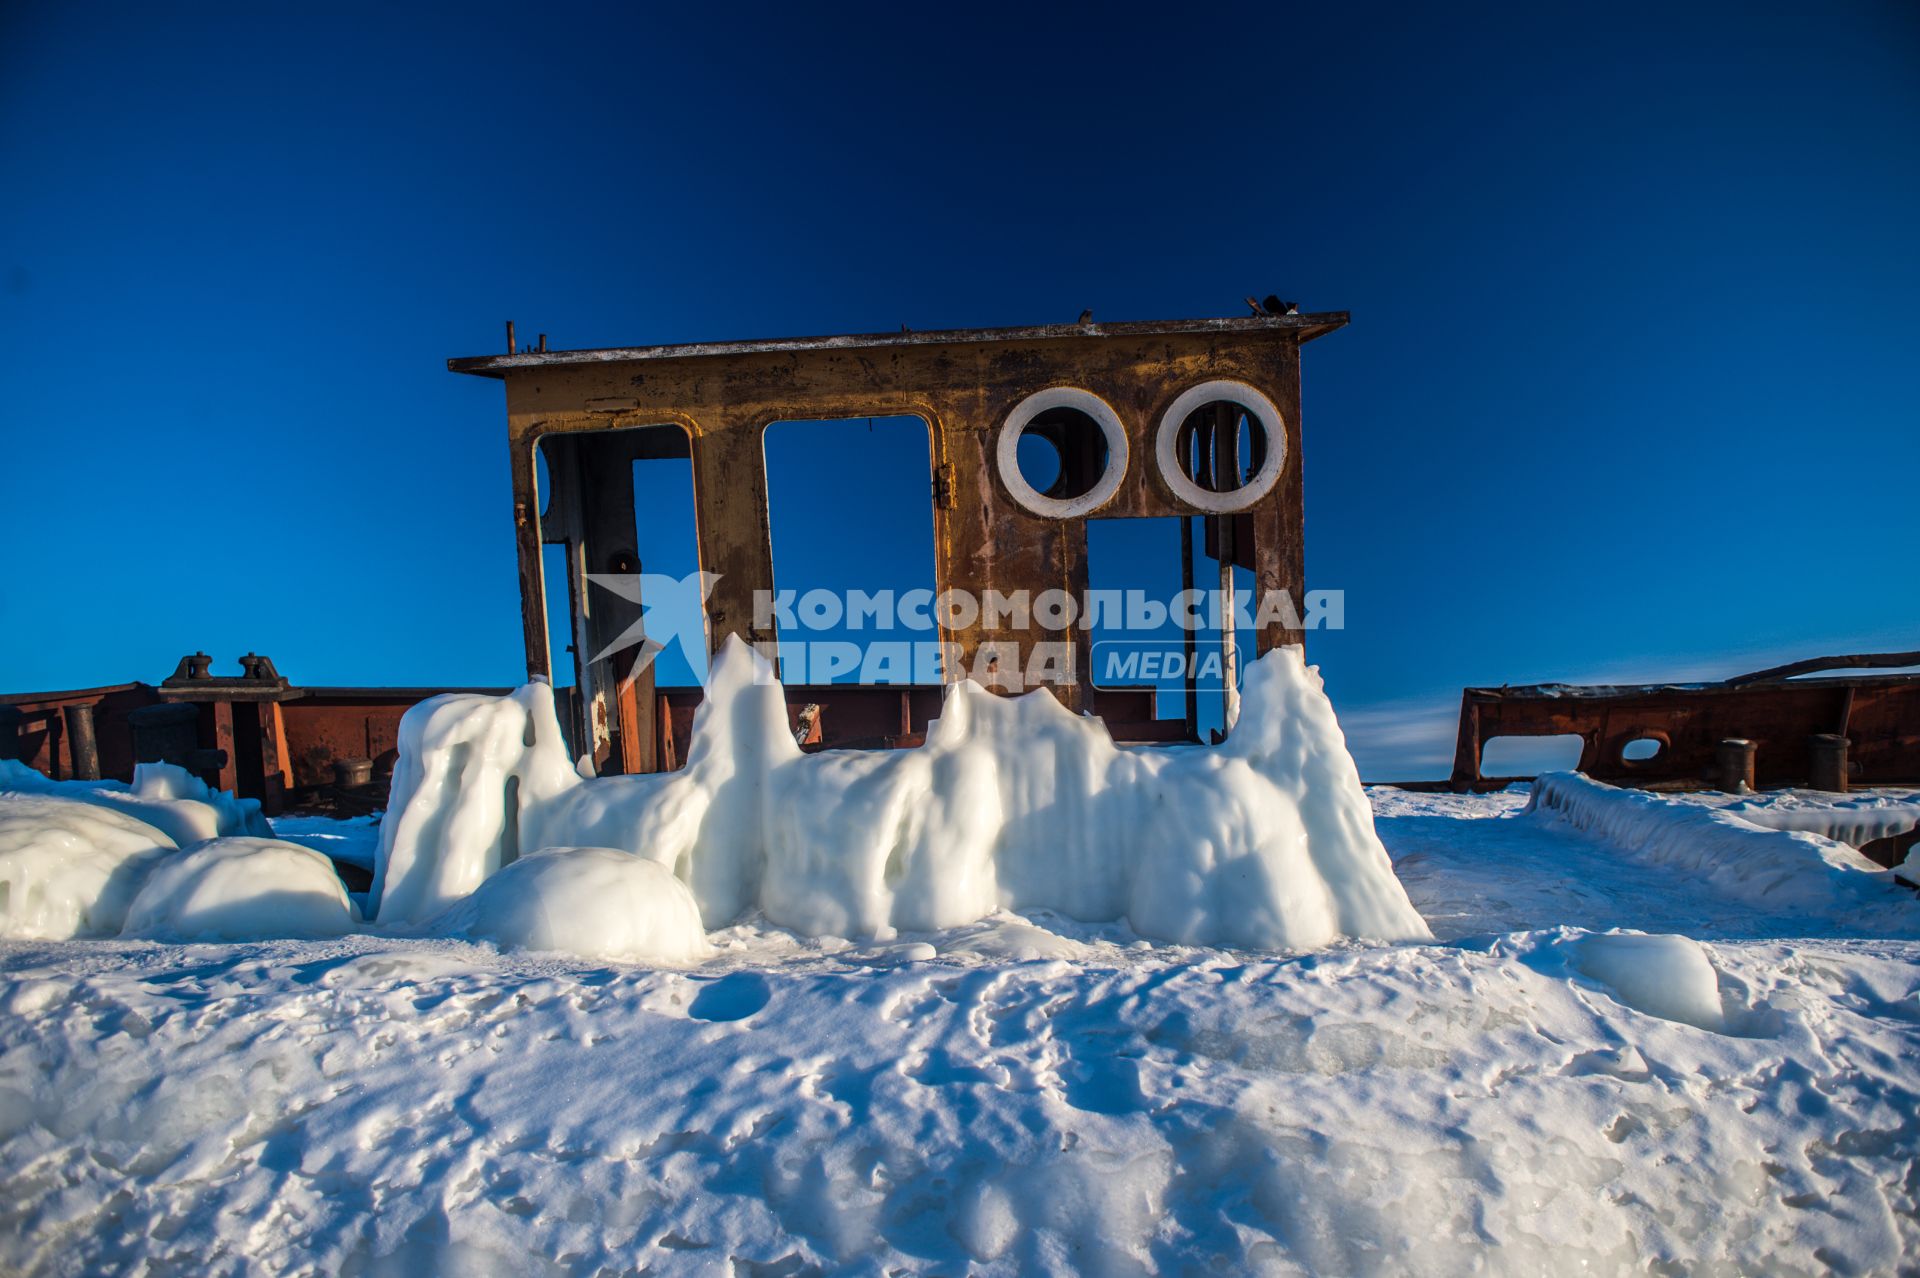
column 1257, row 413
column 1081, row 429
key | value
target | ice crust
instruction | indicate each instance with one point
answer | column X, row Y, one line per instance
column 1265, row 841
column 592, row 902
column 241, row 889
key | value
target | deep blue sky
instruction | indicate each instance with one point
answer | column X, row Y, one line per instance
column 1629, row 391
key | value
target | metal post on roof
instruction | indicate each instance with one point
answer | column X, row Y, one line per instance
column 1189, row 643
column 1226, row 478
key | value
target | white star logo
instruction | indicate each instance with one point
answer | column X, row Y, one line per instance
column 674, row 610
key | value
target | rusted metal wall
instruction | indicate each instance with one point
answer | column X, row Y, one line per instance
column 41, row 736
column 275, row 748
column 326, row 725
column 866, row 717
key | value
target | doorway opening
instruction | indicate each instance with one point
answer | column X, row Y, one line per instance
column 850, row 509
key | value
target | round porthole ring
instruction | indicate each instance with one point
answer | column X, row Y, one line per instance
column 1007, row 452
column 1166, row 446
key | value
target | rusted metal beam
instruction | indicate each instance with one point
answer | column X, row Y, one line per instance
column 1857, row 661
column 1225, row 464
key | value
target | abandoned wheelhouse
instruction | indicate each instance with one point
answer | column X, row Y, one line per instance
column 1192, row 420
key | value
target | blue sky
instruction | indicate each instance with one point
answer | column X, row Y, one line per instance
column 1629, row 388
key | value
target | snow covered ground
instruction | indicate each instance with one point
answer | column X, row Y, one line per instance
column 1525, row 1094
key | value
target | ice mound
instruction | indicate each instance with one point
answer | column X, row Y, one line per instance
column 241, row 889
column 595, row 902
column 68, row 868
column 1265, row 841
column 1015, row 940
column 168, row 798
column 1665, row 976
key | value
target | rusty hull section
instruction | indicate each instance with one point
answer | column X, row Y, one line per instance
column 256, row 735
column 1786, row 727
column 33, row 728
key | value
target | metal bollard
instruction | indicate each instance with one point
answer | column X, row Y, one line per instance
column 352, row 772
column 1829, row 762
column 166, row 733
column 82, row 749
column 1733, row 765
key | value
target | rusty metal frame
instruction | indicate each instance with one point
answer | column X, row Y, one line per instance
column 1878, row 715
column 723, row 396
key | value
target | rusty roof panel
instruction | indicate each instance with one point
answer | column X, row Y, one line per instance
column 1305, row 327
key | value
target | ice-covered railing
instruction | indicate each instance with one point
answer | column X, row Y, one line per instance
column 1263, row 841
column 1794, row 871
column 1854, row 820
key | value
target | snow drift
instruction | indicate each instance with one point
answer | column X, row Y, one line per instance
column 381, row 1104
column 241, row 889
column 1265, row 841
column 168, row 798
column 70, row 869
column 595, row 902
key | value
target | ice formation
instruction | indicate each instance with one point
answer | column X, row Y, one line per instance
column 1850, row 819
column 241, row 889
column 1265, row 841
column 1792, row 870
column 595, row 902
column 469, row 767
column 70, row 869
column 1666, row 976
column 171, row 799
